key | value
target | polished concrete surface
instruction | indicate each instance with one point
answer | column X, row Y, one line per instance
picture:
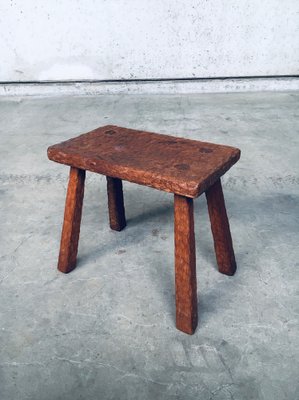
column 107, row 330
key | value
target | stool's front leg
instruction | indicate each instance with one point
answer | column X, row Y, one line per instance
column 185, row 265
column 72, row 220
column 220, row 228
column 116, row 206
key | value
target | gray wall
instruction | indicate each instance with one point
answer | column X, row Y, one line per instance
column 126, row 39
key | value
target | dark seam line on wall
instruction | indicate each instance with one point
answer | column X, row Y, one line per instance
column 148, row 80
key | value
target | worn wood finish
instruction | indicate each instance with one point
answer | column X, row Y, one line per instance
column 72, row 220
column 185, row 265
column 176, row 165
column 220, row 228
column 116, row 207
column 184, row 167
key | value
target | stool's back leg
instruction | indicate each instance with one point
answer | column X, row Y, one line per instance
column 72, row 220
column 220, row 229
column 185, row 265
column 116, row 206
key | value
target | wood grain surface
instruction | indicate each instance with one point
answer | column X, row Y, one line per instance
column 72, row 220
column 220, row 228
column 116, row 206
column 176, row 165
column 184, row 167
column 185, row 265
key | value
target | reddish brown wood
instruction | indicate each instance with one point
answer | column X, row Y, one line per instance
column 72, row 220
column 220, row 228
column 176, row 165
column 116, row 207
column 184, row 167
column 185, row 265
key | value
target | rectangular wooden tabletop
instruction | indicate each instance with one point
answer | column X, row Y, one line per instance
column 177, row 165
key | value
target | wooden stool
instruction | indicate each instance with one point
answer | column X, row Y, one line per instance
column 184, row 167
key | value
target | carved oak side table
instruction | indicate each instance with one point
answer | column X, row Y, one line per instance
column 184, row 167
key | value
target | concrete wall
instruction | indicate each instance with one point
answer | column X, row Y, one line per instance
column 127, row 39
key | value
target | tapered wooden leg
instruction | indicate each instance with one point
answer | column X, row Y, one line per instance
column 116, row 207
column 185, row 265
column 72, row 220
column 220, row 229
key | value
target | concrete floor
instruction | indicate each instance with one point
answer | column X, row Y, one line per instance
column 107, row 330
